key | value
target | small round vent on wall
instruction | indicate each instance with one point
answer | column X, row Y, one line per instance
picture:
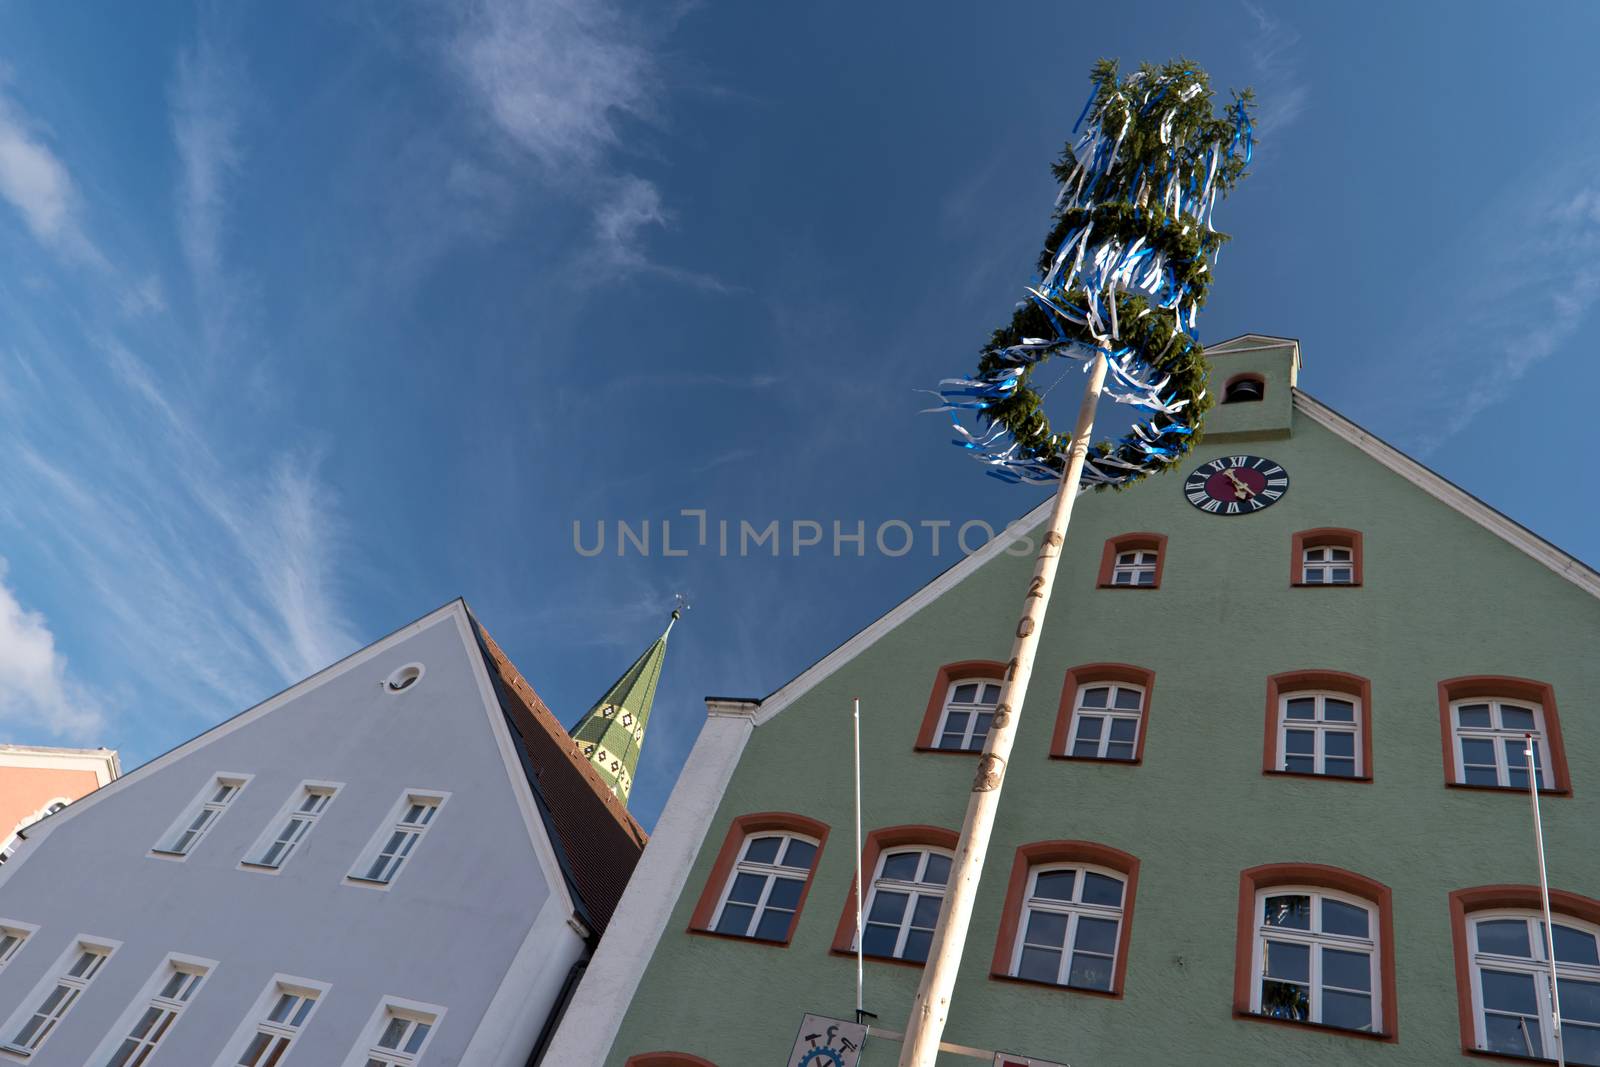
column 404, row 678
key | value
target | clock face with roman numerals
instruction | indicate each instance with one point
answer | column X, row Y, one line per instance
column 1236, row 485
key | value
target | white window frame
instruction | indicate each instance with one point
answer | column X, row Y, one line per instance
column 913, row 889
column 414, row 1011
column 150, row 998
column 204, row 801
column 393, row 825
column 1498, row 735
column 972, row 711
column 1326, row 565
column 58, row 975
column 1130, row 563
column 1106, row 714
column 255, row 859
column 1535, row 965
column 20, row 932
column 1074, row 910
column 1372, row 945
column 259, row 1021
column 1321, row 727
column 770, row 872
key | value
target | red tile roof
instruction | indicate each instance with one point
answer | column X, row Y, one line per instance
column 599, row 842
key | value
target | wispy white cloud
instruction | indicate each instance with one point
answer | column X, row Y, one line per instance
column 36, row 690
column 205, row 99
column 560, row 80
column 1281, row 90
column 34, row 181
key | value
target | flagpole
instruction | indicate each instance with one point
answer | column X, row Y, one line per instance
column 1544, row 898
column 931, row 1007
column 860, row 970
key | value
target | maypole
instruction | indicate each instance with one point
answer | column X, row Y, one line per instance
column 1124, row 273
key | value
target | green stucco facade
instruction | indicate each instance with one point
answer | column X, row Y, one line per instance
column 1443, row 597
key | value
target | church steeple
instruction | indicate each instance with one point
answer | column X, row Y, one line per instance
column 612, row 733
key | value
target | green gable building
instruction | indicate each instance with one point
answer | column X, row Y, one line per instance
column 1267, row 802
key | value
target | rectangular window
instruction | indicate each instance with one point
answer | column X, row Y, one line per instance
column 56, row 996
column 12, row 935
column 1491, row 742
column 201, row 815
column 177, row 983
column 281, row 1013
column 1320, row 733
column 393, row 846
column 397, row 1034
column 1328, row 565
column 968, row 711
column 293, row 824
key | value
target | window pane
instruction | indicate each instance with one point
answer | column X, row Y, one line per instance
column 1299, row 742
column 1301, row 708
column 1089, row 727
column 1341, row 575
column 1509, row 1034
column 774, row 925
column 1473, row 714
column 1339, row 555
column 1300, row 764
column 991, row 695
column 1575, row 946
column 1055, row 885
column 1504, row 991
column 1096, row 935
column 799, row 854
column 747, row 888
column 1336, row 743
column 888, row 907
column 1580, row 1043
column 1129, row 699
column 902, row 866
column 1282, row 1000
column 1352, row 1011
column 880, row 940
column 1287, row 960
column 1124, row 729
column 956, row 722
column 938, row 872
column 917, row 942
column 1515, row 718
column 1122, row 578
column 1347, row 970
column 785, row 893
column 926, row 912
column 1090, row 972
column 392, row 1034
column 980, row 728
column 282, row 1009
column 965, row 694
column 1089, row 749
column 1045, row 928
column 1122, row 750
column 1343, row 919
column 1291, row 911
column 1098, row 889
column 418, row 1036
column 763, row 850
column 1147, row 577
column 1039, row 964
column 1477, row 750
column 1507, row 937
column 1338, row 710
column 1580, row 1000
column 1096, row 697
column 1340, row 767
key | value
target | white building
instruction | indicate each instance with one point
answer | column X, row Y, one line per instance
column 403, row 860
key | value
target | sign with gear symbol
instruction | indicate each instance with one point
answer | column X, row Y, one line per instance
column 825, row 1042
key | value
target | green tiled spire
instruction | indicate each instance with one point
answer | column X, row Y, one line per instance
column 612, row 733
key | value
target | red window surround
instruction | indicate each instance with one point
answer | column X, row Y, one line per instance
column 1041, row 852
column 667, row 1059
column 1504, row 686
column 1280, row 685
column 1464, row 902
column 877, row 842
column 1334, row 536
column 1254, row 880
column 928, row 735
column 1128, row 542
column 1088, row 674
column 745, row 826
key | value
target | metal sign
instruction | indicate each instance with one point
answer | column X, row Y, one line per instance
column 1011, row 1059
column 825, row 1042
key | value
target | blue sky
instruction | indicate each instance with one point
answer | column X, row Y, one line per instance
column 316, row 316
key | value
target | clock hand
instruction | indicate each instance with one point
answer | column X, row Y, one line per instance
column 1240, row 489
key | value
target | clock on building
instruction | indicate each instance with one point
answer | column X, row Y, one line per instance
column 1236, row 485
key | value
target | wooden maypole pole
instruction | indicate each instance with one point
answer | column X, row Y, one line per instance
column 1123, row 275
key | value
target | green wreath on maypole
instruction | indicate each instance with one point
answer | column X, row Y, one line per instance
column 1124, row 272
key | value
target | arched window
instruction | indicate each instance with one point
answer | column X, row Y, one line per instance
column 1244, row 388
column 961, row 706
column 907, row 869
column 1325, row 556
column 1319, row 723
column 1067, row 914
column 1315, row 946
column 1133, row 561
column 1502, row 972
column 1103, row 711
column 1485, row 722
column 760, row 878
